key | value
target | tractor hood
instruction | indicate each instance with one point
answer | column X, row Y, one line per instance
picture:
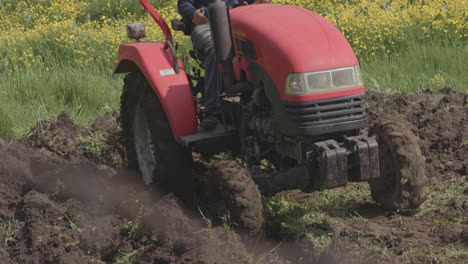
column 290, row 39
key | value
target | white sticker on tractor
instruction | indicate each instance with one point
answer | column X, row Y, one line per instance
column 167, row 72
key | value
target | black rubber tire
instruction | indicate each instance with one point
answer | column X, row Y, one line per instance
column 173, row 161
column 240, row 195
column 402, row 181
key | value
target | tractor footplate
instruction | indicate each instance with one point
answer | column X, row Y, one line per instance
column 212, row 141
column 364, row 158
column 328, row 166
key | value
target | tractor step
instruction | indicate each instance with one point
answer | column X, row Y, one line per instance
column 212, row 141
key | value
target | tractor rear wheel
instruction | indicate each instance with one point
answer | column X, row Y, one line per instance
column 402, row 181
column 148, row 139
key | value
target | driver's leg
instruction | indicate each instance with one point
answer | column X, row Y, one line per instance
column 203, row 43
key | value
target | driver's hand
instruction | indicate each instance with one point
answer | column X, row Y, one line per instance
column 199, row 17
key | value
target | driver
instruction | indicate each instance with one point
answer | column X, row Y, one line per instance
column 195, row 12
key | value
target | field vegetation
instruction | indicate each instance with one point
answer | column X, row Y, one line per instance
column 58, row 55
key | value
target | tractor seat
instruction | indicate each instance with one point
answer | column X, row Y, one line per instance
column 181, row 25
column 177, row 25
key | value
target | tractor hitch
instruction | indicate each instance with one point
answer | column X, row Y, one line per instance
column 328, row 165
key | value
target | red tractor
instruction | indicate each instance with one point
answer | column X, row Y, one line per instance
column 293, row 112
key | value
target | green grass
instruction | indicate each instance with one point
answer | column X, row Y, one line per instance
column 313, row 221
column 112, row 9
column 414, row 67
column 127, row 257
column 448, row 255
column 134, row 229
column 8, row 229
column 439, row 197
column 292, row 221
column 35, row 94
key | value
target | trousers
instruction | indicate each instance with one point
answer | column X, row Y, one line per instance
column 203, row 44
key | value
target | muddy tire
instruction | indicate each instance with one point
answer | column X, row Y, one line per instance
column 240, row 195
column 150, row 146
column 402, row 181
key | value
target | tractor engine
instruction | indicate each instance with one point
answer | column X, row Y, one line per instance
column 305, row 66
column 306, row 95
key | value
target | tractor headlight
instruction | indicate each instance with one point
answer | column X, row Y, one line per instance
column 323, row 81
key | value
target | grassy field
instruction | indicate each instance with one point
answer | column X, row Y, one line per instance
column 418, row 66
column 58, row 55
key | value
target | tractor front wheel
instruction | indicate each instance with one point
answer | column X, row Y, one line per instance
column 150, row 146
column 402, row 181
column 238, row 193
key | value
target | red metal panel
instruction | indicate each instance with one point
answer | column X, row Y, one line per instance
column 159, row 20
column 290, row 39
column 173, row 90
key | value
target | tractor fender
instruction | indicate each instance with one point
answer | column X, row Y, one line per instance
column 172, row 89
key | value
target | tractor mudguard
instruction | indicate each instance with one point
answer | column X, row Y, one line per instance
column 173, row 90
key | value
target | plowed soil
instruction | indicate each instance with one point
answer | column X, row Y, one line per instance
column 65, row 198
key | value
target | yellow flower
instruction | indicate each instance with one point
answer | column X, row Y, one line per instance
column 77, row 31
column 438, row 80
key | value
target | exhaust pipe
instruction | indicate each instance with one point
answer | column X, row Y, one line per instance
column 222, row 40
column 221, row 30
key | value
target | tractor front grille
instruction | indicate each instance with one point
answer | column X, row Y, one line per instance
column 328, row 113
